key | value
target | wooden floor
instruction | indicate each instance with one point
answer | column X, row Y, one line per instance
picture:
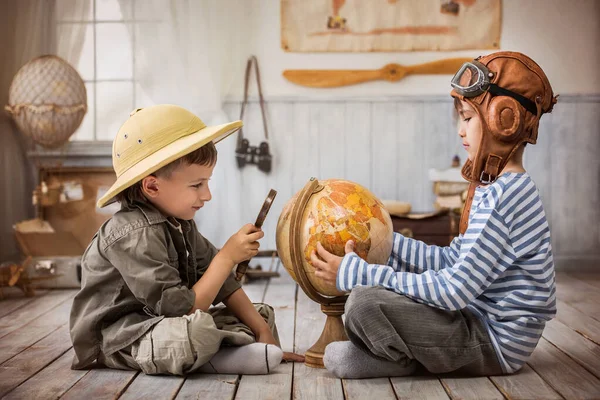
column 36, row 353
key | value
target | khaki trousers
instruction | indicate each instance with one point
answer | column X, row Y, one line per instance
column 181, row 345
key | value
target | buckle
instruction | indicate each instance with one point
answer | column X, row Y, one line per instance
column 490, row 178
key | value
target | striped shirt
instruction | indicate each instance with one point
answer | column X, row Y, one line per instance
column 501, row 269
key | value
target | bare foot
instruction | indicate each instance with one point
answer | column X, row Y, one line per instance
column 293, row 357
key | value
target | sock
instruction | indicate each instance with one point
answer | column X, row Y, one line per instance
column 345, row 360
column 251, row 359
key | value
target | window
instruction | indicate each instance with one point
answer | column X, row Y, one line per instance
column 106, row 62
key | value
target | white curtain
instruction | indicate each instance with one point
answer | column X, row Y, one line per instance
column 70, row 37
column 192, row 53
column 27, row 30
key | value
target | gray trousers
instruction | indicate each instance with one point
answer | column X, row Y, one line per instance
column 181, row 345
column 395, row 328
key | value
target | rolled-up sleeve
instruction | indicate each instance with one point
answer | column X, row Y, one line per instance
column 141, row 257
column 205, row 252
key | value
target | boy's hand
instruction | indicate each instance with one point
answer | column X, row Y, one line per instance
column 327, row 268
column 267, row 337
column 242, row 245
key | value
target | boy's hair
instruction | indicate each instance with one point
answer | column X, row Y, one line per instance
column 457, row 104
column 457, row 109
column 205, row 155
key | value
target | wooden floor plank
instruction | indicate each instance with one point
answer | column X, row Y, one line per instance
column 562, row 373
column 419, row 388
column 34, row 310
column 101, row 383
column 312, row 383
column 315, row 383
column 16, row 299
column 24, row 336
column 16, row 342
column 34, row 364
column 580, row 282
column 256, row 290
column 57, row 316
column 590, row 277
column 309, row 322
column 582, row 350
column 360, row 389
column 578, row 321
column 50, row 383
column 277, row 385
column 471, row 388
column 153, row 387
column 578, row 294
column 208, row 386
column 281, row 295
column 524, row 385
column 30, row 361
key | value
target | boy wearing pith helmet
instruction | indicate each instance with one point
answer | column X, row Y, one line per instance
column 149, row 277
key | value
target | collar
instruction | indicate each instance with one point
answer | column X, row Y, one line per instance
column 154, row 216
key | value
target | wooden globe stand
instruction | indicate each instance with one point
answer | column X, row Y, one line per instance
column 332, row 307
column 333, row 331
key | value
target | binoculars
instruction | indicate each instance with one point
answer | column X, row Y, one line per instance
column 244, row 153
column 258, row 155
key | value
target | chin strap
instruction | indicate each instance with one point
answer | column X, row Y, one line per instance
column 491, row 170
column 464, row 218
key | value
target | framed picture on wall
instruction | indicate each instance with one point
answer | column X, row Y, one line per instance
column 389, row 25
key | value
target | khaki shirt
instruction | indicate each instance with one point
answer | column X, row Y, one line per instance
column 138, row 269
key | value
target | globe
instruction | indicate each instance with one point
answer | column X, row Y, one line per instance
column 330, row 212
column 340, row 211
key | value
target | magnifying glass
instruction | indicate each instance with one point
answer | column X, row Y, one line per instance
column 262, row 215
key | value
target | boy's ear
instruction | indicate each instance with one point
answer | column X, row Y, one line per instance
column 150, row 186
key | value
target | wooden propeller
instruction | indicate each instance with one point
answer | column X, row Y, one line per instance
column 392, row 72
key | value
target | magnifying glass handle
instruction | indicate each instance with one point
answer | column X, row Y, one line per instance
column 242, row 267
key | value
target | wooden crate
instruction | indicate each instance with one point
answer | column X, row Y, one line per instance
column 80, row 218
column 55, row 241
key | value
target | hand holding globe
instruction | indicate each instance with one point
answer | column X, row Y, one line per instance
column 327, row 264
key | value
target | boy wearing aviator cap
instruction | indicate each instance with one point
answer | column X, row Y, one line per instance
column 149, row 277
column 478, row 306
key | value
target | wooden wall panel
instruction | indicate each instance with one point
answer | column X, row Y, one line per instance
column 388, row 145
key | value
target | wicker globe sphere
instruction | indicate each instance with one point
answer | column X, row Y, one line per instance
column 47, row 100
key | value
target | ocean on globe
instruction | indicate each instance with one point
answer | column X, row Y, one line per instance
column 342, row 210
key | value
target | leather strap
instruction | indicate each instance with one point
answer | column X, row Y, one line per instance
column 492, row 168
column 464, row 218
column 253, row 61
